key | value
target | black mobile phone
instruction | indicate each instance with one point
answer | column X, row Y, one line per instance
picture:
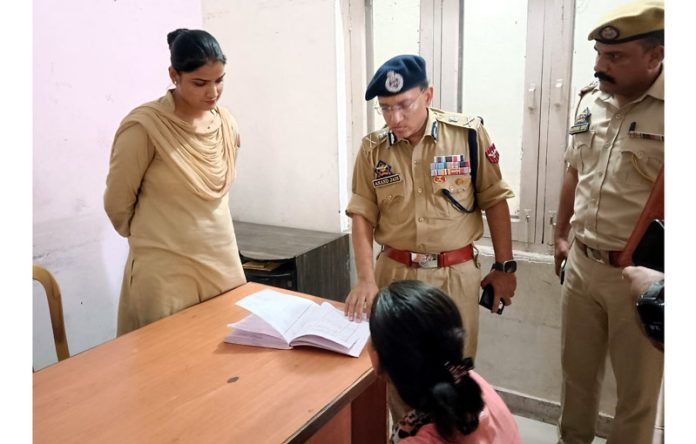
column 650, row 251
column 561, row 274
column 487, row 299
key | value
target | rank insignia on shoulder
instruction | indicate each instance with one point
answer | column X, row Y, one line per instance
column 585, row 89
column 492, row 154
column 384, row 174
column 392, row 138
column 582, row 122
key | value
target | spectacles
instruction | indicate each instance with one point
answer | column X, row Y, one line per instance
column 403, row 108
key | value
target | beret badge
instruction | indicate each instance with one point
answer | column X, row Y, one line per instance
column 394, row 82
column 609, row 33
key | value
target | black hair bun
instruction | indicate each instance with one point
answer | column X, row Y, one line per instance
column 173, row 35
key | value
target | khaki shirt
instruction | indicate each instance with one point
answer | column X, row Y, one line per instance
column 409, row 211
column 618, row 157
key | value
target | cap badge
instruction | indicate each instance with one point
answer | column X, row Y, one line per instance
column 394, row 82
column 609, row 33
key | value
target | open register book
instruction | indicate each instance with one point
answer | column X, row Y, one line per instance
column 283, row 321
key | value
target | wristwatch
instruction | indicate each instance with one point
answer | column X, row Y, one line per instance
column 506, row 267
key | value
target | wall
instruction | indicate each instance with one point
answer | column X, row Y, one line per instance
column 93, row 62
column 286, row 87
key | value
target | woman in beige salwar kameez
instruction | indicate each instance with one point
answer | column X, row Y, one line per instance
column 172, row 163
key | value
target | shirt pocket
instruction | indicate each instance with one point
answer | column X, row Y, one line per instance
column 461, row 190
column 585, row 156
column 391, row 201
column 639, row 162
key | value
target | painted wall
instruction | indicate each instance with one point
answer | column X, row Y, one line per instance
column 286, row 87
column 93, row 62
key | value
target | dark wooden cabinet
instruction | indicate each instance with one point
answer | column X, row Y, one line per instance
column 313, row 262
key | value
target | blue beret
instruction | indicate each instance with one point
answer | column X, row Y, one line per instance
column 397, row 75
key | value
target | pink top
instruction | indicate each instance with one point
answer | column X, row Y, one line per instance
column 496, row 423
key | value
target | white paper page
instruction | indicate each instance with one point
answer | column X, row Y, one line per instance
column 252, row 330
column 279, row 310
column 329, row 323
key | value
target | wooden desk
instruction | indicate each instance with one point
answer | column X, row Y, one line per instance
column 175, row 380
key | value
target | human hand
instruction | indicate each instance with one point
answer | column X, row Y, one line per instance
column 504, row 285
column 360, row 300
column 561, row 247
column 640, row 278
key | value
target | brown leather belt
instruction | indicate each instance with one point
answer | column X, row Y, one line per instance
column 430, row 260
column 603, row 256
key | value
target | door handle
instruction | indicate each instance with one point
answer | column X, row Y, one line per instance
column 531, row 97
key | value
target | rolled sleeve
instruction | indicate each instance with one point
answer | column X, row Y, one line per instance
column 494, row 194
column 364, row 207
column 490, row 186
column 130, row 157
column 364, row 199
column 572, row 156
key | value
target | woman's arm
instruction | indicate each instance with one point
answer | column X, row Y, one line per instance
column 130, row 157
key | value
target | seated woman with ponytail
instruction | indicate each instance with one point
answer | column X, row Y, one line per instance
column 416, row 342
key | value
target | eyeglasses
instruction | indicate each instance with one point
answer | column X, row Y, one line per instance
column 404, row 108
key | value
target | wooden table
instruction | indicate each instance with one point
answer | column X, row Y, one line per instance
column 175, row 380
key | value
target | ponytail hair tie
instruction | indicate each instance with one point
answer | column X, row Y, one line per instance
column 459, row 369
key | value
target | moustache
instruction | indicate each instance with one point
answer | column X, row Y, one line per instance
column 601, row 76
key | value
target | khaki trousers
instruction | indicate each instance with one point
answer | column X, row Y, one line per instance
column 598, row 316
column 462, row 282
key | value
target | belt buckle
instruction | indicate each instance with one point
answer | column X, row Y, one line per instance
column 424, row 260
column 596, row 255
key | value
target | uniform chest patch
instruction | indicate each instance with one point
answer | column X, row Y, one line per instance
column 492, row 154
column 582, row 122
column 384, row 175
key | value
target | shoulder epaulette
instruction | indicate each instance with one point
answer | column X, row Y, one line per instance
column 375, row 138
column 457, row 119
column 585, row 89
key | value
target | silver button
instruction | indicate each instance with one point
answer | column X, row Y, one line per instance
column 389, row 196
column 420, row 219
column 420, row 190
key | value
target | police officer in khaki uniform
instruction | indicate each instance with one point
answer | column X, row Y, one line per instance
column 419, row 193
column 615, row 154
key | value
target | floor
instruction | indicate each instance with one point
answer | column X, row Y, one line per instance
column 537, row 432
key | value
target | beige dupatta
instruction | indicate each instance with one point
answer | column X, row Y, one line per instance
column 203, row 159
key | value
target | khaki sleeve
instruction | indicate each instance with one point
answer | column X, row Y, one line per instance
column 490, row 186
column 130, row 157
column 364, row 199
column 572, row 156
column 235, row 133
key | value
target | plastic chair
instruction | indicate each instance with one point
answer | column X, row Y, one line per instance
column 55, row 307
